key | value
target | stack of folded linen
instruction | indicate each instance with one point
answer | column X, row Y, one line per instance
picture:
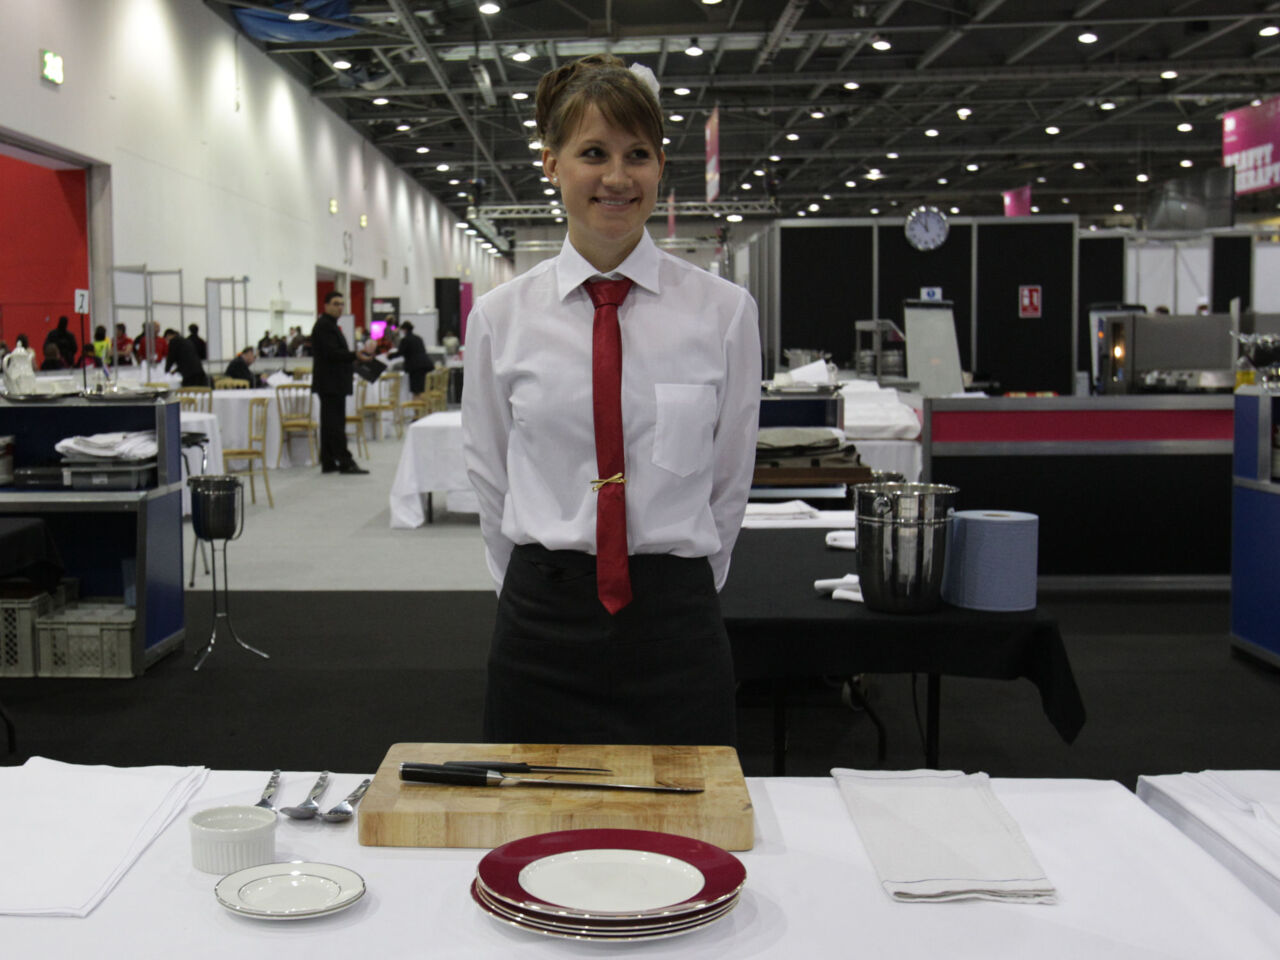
column 61, row 859
column 1232, row 814
column 936, row 835
column 872, row 412
column 135, row 445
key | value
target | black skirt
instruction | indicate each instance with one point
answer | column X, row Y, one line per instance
column 563, row 670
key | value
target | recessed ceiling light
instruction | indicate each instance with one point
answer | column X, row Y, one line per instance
column 891, row 155
column 931, row 132
column 971, row 167
column 535, row 144
column 682, row 91
column 881, row 44
column 1169, row 75
column 488, row 8
column 341, row 64
column 1078, row 165
column 793, row 136
column 537, row 163
column 758, row 173
column 942, row 181
column 522, row 56
column 676, row 117
column 1052, row 131
column 543, row 180
column 402, row 127
column 666, row 141
column 442, row 167
column 1185, row 127
column 462, row 193
column 529, row 123
column 734, row 218
column 799, row 213
column 1040, row 180
column 461, row 225
column 549, row 191
column 297, row 14
column 852, row 85
column 471, row 231
column 1184, row 163
column 875, row 211
column 693, row 50
column 1087, row 36
column 519, row 95
column 424, row 150
column 1107, row 105
column 1066, row 199
column 1269, row 30
column 964, row 113
column 746, row 186
column 454, row 182
column 556, row 211
column 1118, row 207
column 851, row 183
column 774, row 158
column 814, row 208
column 816, row 114
column 1142, row 178
column 874, row 174
column 380, row 101
column 559, row 219
column 955, row 209
column 1035, row 209
column 826, row 196
column 1255, row 102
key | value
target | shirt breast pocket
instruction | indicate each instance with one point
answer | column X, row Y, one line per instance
column 684, row 426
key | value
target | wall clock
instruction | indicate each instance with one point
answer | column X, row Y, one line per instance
column 926, row 228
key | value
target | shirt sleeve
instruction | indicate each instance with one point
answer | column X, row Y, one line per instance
column 734, row 445
column 486, row 425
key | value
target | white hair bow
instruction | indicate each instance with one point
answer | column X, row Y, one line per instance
column 646, row 76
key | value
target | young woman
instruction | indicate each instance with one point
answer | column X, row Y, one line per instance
column 611, row 488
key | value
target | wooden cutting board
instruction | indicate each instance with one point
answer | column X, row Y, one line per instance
column 397, row 814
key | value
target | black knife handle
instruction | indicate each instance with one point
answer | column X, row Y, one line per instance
column 437, row 773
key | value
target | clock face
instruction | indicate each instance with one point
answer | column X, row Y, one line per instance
column 926, row 228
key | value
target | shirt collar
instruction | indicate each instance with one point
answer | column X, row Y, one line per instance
column 640, row 266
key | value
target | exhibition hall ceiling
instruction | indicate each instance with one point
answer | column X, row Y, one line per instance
column 829, row 107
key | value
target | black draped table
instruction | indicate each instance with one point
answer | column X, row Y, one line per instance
column 781, row 628
column 27, row 550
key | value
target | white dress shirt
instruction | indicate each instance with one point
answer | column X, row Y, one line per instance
column 690, row 408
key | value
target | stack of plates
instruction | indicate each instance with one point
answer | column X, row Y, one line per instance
column 613, row 885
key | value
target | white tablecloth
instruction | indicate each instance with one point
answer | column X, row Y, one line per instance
column 210, row 460
column 431, row 462
column 1131, row 887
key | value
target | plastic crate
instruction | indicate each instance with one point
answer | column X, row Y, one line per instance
column 67, row 591
column 19, row 653
column 87, row 640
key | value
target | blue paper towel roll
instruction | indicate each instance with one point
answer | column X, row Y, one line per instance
column 991, row 560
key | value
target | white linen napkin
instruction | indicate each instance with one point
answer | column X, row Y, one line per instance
column 936, row 835
column 843, row 539
column 70, row 832
column 135, row 445
column 278, row 377
column 787, row 510
column 845, row 588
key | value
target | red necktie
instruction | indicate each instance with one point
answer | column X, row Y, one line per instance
column 613, row 578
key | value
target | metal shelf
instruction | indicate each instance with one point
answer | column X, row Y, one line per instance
column 70, row 501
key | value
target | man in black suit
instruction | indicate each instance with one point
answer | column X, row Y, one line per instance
column 238, row 368
column 331, row 375
column 182, row 356
column 416, row 361
column 197, row 341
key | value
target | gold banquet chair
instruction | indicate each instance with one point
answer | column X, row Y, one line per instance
column 438, row 390
column 294, row 403
column 388, row 402
column 255, row 452
column 195, row 399
column 230, row 383
column 357, row 419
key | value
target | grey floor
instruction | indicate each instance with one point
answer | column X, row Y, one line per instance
column 333, row 532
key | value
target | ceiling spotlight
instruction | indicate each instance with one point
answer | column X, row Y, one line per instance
column 774, row 158
column 851, row 183
column 1107, row 105
column 471, row 231
column 1087, row 36
column 1040, row 180
column 964, row 113
column 519, row 95
column 734, row 218
column 549, row 191
column 955, row 209
column 1255, row 102
column 666, row 141
column 535, row 144
column 1184, row 163
column 881, row 44
column 424, row 150
column 793, row 136
column 462, row 193
column 1184, row 127
column 852, row 85
column 341, row 64
column 875, row 174
column 529, row 123
column 710, row 3
column 559, row 219
column 1078, row 165
column 1052, row 131
column 489, row 8
column 942, row 181
column 1142, row 178
column 799, row 213
column 814, row 208
column 461, row 224
column 1066, row 199
column 758, row 173
column 971, row 167
column 682, row 91
column 676, row 117
column 931, row 132
column 522, row 55
column 891, row 155
column 402, row 127
column 1268, row 30
column 746, row 186
column 816, row 114
column 826, row 196
column 454, row 182
column 442, row 167
column 1118, row 207
column 1035, row 209
column 297, row 14
column 538, row 164
column 380, row 101
column 693, row 50
column 556, row 211
column 875, row 211
column 1169, row 75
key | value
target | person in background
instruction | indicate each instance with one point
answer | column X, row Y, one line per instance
column 22, row 343
column 331, row 381
column 239, row 366
column 140, row 344
column 609, row 431
column 295, row 341
column 63, row 339
column 416, row 361
column 194, row 338
column 124, row 346
column 180, row 355
column 52, row 357
column 101, row 346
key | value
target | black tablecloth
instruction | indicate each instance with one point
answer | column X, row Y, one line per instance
column 27, row 550
column 781, row 627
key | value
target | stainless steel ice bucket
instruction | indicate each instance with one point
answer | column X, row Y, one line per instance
column 902, row 544
column 217, row 507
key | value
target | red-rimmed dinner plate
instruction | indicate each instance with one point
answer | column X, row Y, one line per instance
column 590, row 932
column 611, row 874
column 602, row 926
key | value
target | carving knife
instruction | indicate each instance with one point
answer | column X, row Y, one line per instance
column 512, row 766
column 471, row 777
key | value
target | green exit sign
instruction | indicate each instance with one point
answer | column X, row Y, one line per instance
column 50, row 66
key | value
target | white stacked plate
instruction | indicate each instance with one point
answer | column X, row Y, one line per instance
column 614, row 885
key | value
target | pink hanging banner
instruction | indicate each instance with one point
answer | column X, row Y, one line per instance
column 1017, row 202
column 713, row 155
column 1250, row 137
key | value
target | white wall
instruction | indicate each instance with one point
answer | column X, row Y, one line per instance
column 1173, row 274
column 222, row 164
column 701, row 256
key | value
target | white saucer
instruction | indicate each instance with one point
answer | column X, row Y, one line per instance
column 289, row 891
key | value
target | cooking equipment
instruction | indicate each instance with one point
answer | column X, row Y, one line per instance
column 401, row 814
column 308, row 808
column 902, row 542
column 438, row 773
column 507, row 766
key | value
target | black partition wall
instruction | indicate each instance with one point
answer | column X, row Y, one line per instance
column 1101, row 280
column 826, row 284
column 905, row 271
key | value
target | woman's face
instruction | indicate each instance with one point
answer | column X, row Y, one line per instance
column 608, row 180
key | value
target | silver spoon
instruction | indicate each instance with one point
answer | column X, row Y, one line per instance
column 346, row 809
column 308, row 808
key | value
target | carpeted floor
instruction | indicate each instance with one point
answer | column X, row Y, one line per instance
column 351, row 673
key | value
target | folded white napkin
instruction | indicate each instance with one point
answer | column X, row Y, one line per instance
column 1254, row 791
column 135, row 445
column 843, row 539
column 279, row 377
column 815, row 372
column 69, row 832
column 787, row 510
column 844, row 588
column 937, row 835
